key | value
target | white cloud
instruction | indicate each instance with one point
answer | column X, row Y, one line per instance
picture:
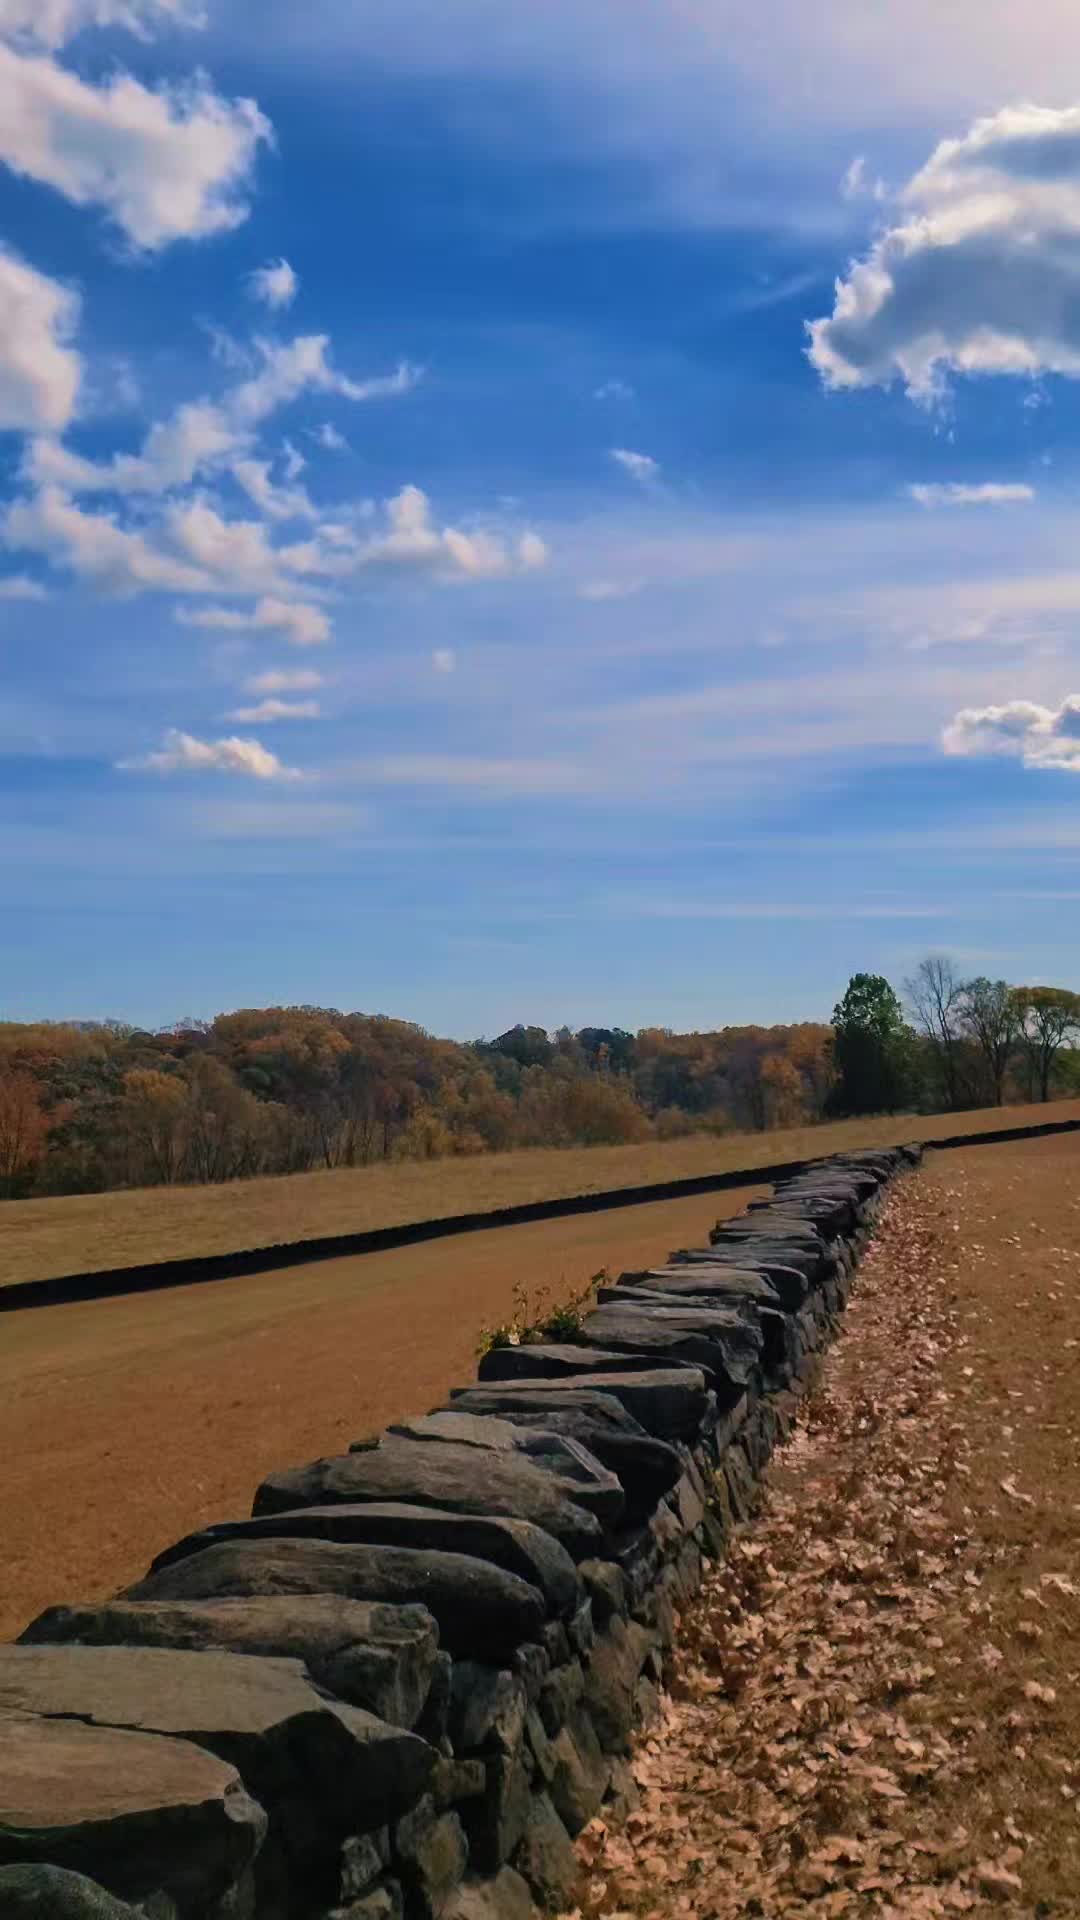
column 614, row 390
column 276, row 284
column 329, row 438
column 1044, row 738
column 413, row 540
column 302, row 626
column 278, row 503
column 982, row 272
column 174, row 452
column 610, row 589
column 39, row 370
column 183, row 753
column 268, row 710
column 93, row 546
column 304, row 366
column 285, row 680
column 18, row 586
column 640, row 466
column 856, row 182
column 51, row 23
column 956, row 493
column 294, row 461
column 166, row 164
column 444, row 660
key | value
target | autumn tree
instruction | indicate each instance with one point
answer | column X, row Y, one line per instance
column 872, row 1047
column 1047, row 1017
column 24, row 1130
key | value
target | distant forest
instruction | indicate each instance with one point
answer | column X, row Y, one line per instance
column 86, row 1107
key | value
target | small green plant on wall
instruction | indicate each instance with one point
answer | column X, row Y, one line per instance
column 535, row 1319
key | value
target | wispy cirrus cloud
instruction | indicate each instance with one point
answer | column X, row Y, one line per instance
column 958, row 493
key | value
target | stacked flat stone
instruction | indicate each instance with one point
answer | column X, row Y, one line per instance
column 401, row 1687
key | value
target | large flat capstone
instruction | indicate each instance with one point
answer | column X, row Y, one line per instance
column 308, row 1759
column 456, row 1478
column 374, row 1656
column 669, row 1402
column 137, row 1813
column 516, row 1546
column 646, row 1467
column 724, row 1342
column 477, row 1607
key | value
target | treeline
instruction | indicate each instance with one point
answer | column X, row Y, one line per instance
column 959, row 1043
column 84, row 1108
column 88, row 1107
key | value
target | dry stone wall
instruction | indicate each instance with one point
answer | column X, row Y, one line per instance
column 400, row 1688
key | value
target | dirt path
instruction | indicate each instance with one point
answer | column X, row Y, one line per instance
column 126, row 1422
column 878, row 1697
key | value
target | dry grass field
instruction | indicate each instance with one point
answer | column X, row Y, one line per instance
column 41, row 1238
column 126, row 1422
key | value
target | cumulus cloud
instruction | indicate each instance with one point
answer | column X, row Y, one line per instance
column 183, row 753
column 640, row 466
column 1044, row 738
column 276, row 284
column 51, row 23
column 174, row 452
column 955, row 493
column 285, row 680
column 444, row 659
column 166, row 164
column 301, row 625
column 328, row 437
column 412, row 539
column 40, row 371
column 268, row 710
column 92, row 545
column 980, row 272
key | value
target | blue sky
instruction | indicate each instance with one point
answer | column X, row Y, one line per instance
column 562, row 513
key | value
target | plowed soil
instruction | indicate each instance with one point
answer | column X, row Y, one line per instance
column 126, row 1422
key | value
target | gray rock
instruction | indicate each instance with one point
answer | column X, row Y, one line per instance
column 669, row 1402
column 645, row 1467
column 455, row 1478
column 478, row 1608
column 384, row 1902
column 614, row 1668
column 606, row 1588
column 435, row 1718
column 142, row 1815
column 725, row 1343
column 487, row 1709
column 506, row 1897
column 364, row 1859
column 594, row 1488
column 432, row 1854
column 516, row 1546
column 580, row 1778
column 716, row 1263
column 456, row 1780
column 560, row 1695
column 673, row 1285
column 321, row 1769
column 495, row 1823
column 50, row 1893
column 378, row 1657
column 546, row 1858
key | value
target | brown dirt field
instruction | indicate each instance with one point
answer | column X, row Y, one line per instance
column 877, row 1704
column 43, row 1238
column 125, row 1423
